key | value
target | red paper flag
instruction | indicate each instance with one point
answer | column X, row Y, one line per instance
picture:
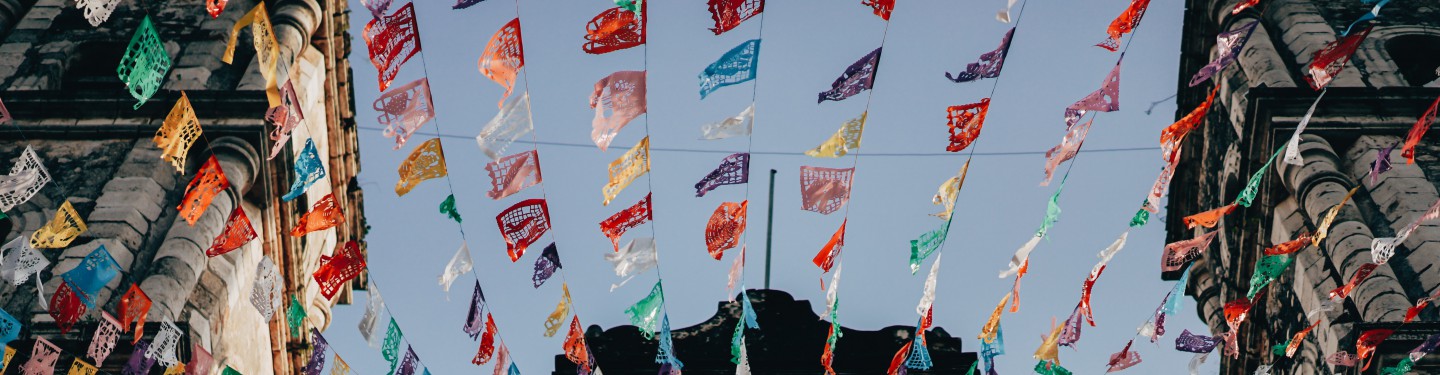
column 134, row 306
column 882, row 7
column 1418, row 131
column 1243, row 5
column 616, row 225
column 324, row 214
column 826, row 258
column 393, row 42
column 1297, row 244
column 1126, row 22
column 730, row 13
column 503, row 57
column 523, row 224
column 1329, row 61
column 725, row 227
column 965, row 123
column 615, row 29
column 336, row 270
column 1355, row 280
column 487, row 342
column 1365, row 345
column 209, row 181
column 214, row 7
column 1171, row 137
column 575, row 348
column 66, row 307
column 238, row 232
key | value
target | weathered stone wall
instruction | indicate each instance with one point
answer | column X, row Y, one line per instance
column 57, row 75
column 1369, row 106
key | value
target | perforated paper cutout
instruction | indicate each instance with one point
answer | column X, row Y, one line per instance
column 1328, row 62
column 324, row 214
column 309, row 169
column 1412, row 138
column 66, row 307
column 144, row 64
column 859, row 76
column 1208, row 219
column 21, row 260
column 1173, row 135
column 989, row 64
column 613, row 30
column 645, row 313
column 285, row 115
column 267, row 49
column 825, row 190
column 928, row 243
column 734, row 67
column 370, row 320
column 391, row 41
column 522, row 225
column 1104, row 99
column 459, row 265
column 317, row 353
column 733, row 170
column 616, row 225
column 214, row 8
column 735, row 126
column 237, row 233
column 265, row 295
column 487, row 344
column 636, row 257
column 1179, row 253
column 1292, row 147
column 622, row 96
column 965, row 122
column 162, row 347
column 475, row 319
column 511, row 174
column 1229, row 44
column 64, row 228
column 27, row 176
column 209, row 181
column 882, row 8
column 825, row 259
column 90, row 276
column 107, row 332
column 725, row 227
column 845, row 139
column 97, row 11
column 447, row 207
column 79, row 367
column 504, row 56
column 511, row 122
column 728, row 14
column 576, row 350
column 426, row 162
column 1125, row 23
column 43, row 357
column 545, row 265
column 1067, row 149
column 562, row 310
column 295, row 317
column 339, row 268
column 625, row 169
column 404, row 109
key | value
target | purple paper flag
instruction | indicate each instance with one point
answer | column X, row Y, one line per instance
column 545, row 265
column 860, row 76
column 989, row 65
column 735, row 169
column 475, row 320
column 1188, row 342
column 1229, row 44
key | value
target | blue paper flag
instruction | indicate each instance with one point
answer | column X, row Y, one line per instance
column 90, row 276
column 665, row 354
column 733, row 67
column 9, row 328
column 308, row 171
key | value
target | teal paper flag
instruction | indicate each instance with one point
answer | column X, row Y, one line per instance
column 1253, row 187
column 645, row 314
column 736, row 66
column 308, row 170
column 90, row 276
column 145, row 63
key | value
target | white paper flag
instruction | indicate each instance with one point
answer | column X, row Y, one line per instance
column 736, row 269
column 459, row 265
column 369, row 323
column 833, row 294
column 636, row 257
column 21, row 260
column 928, row 298
column 162, row 348
column 1292, row 148
column 1020, row 256
column 26, row 178
column 738, row 125
column 512, row 122
column 266, row 294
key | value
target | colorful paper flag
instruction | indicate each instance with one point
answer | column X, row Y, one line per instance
column 511, row 174
column 338, row 269
column 145, row 63
column 267, row 49
column 1327, row 62
column 522, row 224
column 616, row 225
column 179, row 131
column 734, row 67
column 738, row 125
column 459, row 264
column 64, row 228
column 645, row 313
column 265, row 295
column 391, row 41
column 545, row 265
column 404, row 109
column 209, row 181
column 733, row 170
column 625, row 169
column 990, row 63
column 622, row 95
column 725, row 228
column 845, row 139
column 426, row 162
column 1126, row 22
column 309, row 169
column 503, row 58
column 728, row 14
column 237, row 233
column 965, row 122
column 825, row 190
column 1228, row 44
column 613, row 30
column 324, row 214
column 27, row 176
column 859, row 76
column 826, row 257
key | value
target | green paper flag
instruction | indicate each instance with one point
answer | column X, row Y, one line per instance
column 738, row 342
column 390, row 350
column 295, row 316
column 634, row 6
column 646, row 313
column 1401, row 368
column 448, row 208
column 1279, row 349
column 1047, row 368
column 145, row 63
column 1266, row 270
column 229, row 371
column 1142, row 216
column 1052, row 210
column 1253, row 187
column 928, row 243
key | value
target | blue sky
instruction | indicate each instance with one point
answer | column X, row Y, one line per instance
column 807, row 43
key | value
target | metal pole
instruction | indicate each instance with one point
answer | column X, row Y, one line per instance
column 769, row 227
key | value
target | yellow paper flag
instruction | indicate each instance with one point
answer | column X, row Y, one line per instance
column 178, row 133
column 562, row 310
column 623, row 171
column 845, row 139
column 60, row 231
column 426, row 162
column 267, row 50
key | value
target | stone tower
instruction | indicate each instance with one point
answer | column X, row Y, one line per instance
column 58, row 79
column 1390, row 81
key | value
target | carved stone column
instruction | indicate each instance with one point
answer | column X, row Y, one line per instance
column 181, row 257
column 1319, row 185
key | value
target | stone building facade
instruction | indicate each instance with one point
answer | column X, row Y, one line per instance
column 1390, row 81
column 58, row 79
